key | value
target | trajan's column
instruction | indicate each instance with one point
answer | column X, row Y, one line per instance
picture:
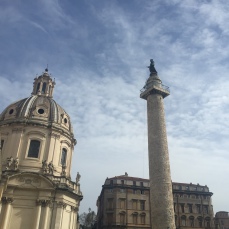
column 161, row 199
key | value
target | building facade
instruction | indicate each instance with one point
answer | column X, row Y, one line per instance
column 37, row 144
column 222, row 220
column 124, row 202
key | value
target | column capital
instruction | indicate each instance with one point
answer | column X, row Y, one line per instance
column 43, row 202
column 7, row 200
column 74, row 209
column 61, row 205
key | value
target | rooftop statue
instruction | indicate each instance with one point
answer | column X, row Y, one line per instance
column 152, row 68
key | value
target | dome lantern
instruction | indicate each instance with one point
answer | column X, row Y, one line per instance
column 43, row 85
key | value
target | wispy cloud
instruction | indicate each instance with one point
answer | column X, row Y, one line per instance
column 99, row 53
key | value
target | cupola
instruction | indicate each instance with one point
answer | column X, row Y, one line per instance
column 43, row 85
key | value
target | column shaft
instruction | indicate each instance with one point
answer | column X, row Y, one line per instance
column 162, row 213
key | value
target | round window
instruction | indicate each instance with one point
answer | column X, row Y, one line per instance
column 41, row 111
column 11, row 111
column 65, row 120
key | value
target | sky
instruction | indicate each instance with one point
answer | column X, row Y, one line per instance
column 98, row 53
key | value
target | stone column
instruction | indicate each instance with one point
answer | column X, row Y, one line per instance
column 161, row 199
column 38, row 214
column 73, row 224
column 7, row 201
column 59, row 214
column 45, row 215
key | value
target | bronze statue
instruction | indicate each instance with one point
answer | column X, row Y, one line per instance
column 152, row 68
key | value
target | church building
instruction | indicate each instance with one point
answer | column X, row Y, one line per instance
column 36, row 149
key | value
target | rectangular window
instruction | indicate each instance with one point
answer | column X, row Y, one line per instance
column 110, row 204
column 34, row 148
column 190, row 208
column 142, row 192
column 109, row 218
column 182, row 208
column 141, row 184
column 134, row 204
column 110, row 190
column 142, row 205
column 134, row 183
column 206, row 209
column 2, row 143
column 134, row 191
column 122, row 190
column 111, row 182
column 122, row 203
column 198, row 208
column 64, row 156
column 122, row 182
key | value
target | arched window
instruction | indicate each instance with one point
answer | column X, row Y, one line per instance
column 122, row 218
column 183, row 220
column 143, row 218
column 34, row 148
column 38, row 87
column 43, row 87
column 200, row 221
column 63, row 156
column 191, row 221
column 135, row 218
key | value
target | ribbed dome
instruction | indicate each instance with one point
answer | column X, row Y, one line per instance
column 39, row 110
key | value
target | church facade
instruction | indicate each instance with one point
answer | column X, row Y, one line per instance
column 36, row 149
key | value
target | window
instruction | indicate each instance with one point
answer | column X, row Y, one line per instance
column 200, row 221
column 34, row 148
column 134, row 204
column 2, row 143
column 191, row 220
column 122, row 182
column 183, row 220
column 38, row 87
column 122, row 218
column 109, row 218
column 122, row 203
column 134, row 183
column 43, row 87
column 182, row 208
column 142, row 192
column 190, row 208
column 110, row 190
column 110, row 204
column 122, row 190
column 143, row 219
column 207, row 222
column 111, row 182
column 63, row 156
column 141, row 184
column 198, row 208
column 174, row 207
column 135, row 218
column 206, row 209
column 142, row 205
column 134, row 191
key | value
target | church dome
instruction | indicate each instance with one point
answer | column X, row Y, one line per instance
column 38, row 109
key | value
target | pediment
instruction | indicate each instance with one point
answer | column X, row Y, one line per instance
column 30, row 180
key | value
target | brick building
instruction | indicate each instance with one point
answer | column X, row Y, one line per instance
column 124, row 203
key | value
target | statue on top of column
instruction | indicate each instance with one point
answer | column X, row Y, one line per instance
column 152, row 68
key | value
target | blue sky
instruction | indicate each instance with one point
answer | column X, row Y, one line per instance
column 98, row 52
